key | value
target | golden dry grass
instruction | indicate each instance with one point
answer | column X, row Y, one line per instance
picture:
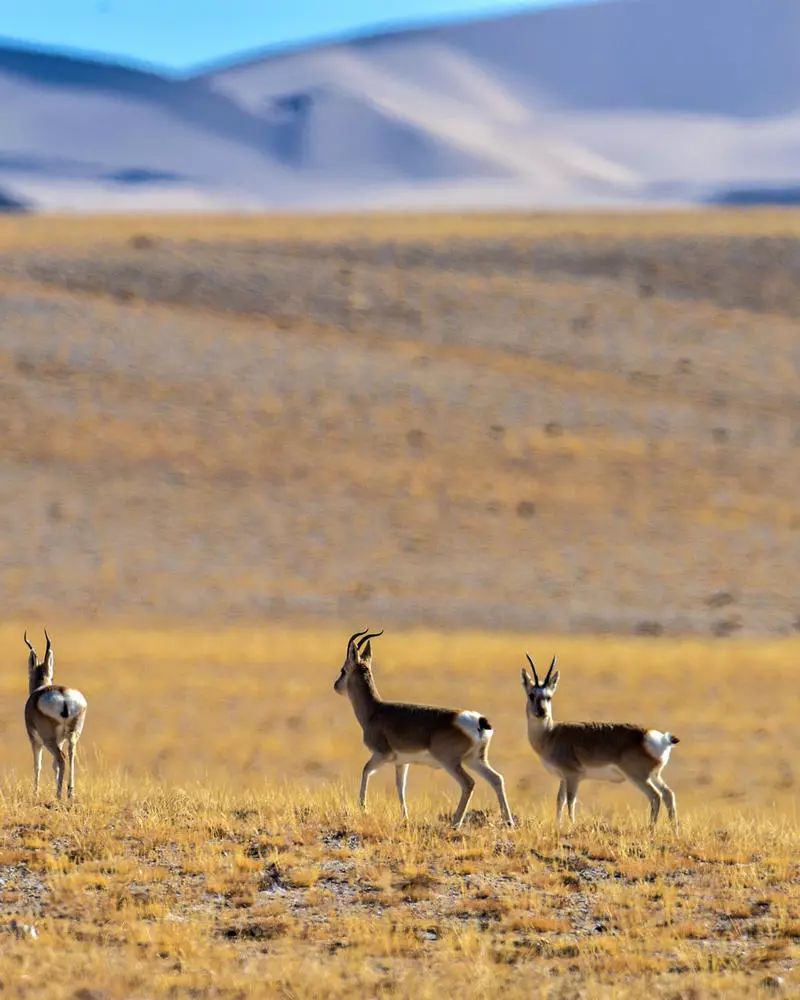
column 216, row 848
column 68, row 230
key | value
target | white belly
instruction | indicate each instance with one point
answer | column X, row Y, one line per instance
column 416, row 757
column 608, row 772
column 605, row 772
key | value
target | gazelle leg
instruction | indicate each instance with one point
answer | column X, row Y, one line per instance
column 467, row 783
column 400, row 778
column 561, row 801
column 653, row 794
column 58, row 764
column 376, row 761
column 571, row 784
column 37, row 765
column 668, row 797
column 495, row 779
column 72, row 748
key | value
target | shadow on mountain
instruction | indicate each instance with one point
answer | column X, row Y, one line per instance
column 141, row 175
column 190, row 100
column 64, row 167
column 306, row 127
column 746, row 197
column 735, row 58
column 11, row 205
column 56, row 70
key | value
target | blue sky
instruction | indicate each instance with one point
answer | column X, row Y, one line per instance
column 184, row 33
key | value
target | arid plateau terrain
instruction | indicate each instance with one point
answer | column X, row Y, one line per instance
column 228, row 442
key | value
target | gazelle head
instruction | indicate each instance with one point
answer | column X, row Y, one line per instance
column 540, row 693
column 40, row 674
column 358, row 659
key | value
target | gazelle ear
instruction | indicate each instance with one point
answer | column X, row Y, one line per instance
column 554, row 681
column 527, row 683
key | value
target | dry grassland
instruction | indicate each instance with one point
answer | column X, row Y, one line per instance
column 216, row 848
column 227, row 443
column 580, row 424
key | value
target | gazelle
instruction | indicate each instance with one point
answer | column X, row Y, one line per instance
column 416, row 734
column 605, row 751
column 54, row 715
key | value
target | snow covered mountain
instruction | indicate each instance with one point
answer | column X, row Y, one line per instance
column 615, row 102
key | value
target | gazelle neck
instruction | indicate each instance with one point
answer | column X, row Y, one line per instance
column 363, row 695
column 38, row 677
column 539, row 729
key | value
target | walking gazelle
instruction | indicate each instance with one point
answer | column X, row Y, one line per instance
column 401, row 734
column 604, row 751
column 54, row 715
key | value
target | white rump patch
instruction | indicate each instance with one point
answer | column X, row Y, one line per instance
column 607, row 772
column 467, row 722
column 658, row 745
column 53, row 703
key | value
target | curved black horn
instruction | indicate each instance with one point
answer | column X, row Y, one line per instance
column 547, row 679
column 533, row 668
column 372, row 635
column 355, row 635
column 25, row 637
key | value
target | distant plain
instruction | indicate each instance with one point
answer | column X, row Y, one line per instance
column 573, row 423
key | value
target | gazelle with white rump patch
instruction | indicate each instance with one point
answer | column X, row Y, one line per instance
column 401, row 734
column 605, row 751
column 54, row 715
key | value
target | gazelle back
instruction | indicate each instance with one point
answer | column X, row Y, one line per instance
column 604, row 751
column 402, row 734
column 54, row 715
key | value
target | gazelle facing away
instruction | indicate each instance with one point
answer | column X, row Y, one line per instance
column 416, row 734
column 54, row 715
column 604, row 751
